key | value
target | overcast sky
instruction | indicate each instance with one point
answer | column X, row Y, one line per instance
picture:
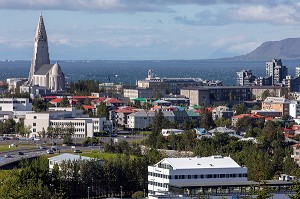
column 145, row 29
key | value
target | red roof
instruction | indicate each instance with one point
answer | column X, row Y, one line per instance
column 296, row 127
column 114, row 101
column 249, row 115
column 269, row 118
column 289, row 135
column 88, row 107
column 287, row 129
column 126, row 107
column 123, row 111
column 93, row 97
column 296, row 145
column 200, row 110
column 101, row 99
column 56, row 100
column 50, row 97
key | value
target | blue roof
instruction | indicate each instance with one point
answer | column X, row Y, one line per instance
column 180, row 108
column 201, row 131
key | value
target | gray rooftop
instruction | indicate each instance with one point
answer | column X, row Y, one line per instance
column 44, row 69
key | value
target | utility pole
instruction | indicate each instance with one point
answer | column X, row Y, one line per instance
column 121, row 187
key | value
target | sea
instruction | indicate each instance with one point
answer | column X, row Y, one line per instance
column 128, row 72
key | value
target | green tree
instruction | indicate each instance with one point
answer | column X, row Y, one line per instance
column 222, row 122
column 240, row 109
column 102, row 110
column 296, row 189
column 157, row 122
column 68, row 133
column 138, row 194
column 265, row 94
column 64, row 102
column 206, row 120
column 39, row 105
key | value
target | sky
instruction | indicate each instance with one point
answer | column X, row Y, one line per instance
column 145, row 29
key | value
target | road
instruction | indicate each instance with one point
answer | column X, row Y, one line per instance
column 35, row 152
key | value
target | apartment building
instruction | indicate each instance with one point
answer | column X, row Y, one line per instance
column 276, row 103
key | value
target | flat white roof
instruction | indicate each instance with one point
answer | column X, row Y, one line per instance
column 68, row 156
column 201, row 162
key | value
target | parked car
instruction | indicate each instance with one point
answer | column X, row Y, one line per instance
column 20, row 153
column 77, row 151
column 42, row 147
column 7, row 156
column 55, row 148
column 126, row 136
column 49, row 151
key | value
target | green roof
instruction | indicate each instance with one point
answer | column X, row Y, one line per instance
column 192, row 113
column 140, row 99
column 144, row 99
column 196, row 107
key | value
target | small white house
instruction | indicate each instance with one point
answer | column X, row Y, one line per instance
column 167, row 132
column 65, row 157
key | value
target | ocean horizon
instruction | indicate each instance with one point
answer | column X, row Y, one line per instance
column 129, row 71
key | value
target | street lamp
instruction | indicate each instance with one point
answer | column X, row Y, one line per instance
column 121, row 187
column 88, row 192
column 144, row 193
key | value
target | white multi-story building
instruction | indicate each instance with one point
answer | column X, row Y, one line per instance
column 191, row 171
column 14, row 108
column 15, row 104
column 133, row 93
column 83, row 126
column 294, row 108
column 140, row 119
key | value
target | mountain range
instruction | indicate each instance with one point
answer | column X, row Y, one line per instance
column 284, row 49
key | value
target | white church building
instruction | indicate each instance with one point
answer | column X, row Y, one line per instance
column 42, row 73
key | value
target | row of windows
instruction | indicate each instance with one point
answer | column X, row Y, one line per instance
column 66, row 123
column 203, row 176
column 158, row 184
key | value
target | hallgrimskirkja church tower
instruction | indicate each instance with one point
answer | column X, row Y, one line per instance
column 42, row 73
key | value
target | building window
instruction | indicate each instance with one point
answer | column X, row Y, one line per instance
column 33, row 130
column 34, row 117
column 34, row 124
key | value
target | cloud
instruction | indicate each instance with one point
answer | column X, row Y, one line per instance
column 288, row 14
column 84, row 5
column 125, row 5
column 282, row 14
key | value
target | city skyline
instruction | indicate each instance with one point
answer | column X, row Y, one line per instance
column 145, row 30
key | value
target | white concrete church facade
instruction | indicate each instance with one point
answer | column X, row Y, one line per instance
column 42, row 73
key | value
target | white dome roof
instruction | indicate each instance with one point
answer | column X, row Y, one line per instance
column 56, row 70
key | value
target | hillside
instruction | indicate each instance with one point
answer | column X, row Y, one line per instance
column 283, row 49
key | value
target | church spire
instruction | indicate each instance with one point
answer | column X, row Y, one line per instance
column 41, row 34
column 40, row 54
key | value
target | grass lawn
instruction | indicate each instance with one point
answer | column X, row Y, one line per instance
column 101, row 155
column 145, row 132
column 7, row 148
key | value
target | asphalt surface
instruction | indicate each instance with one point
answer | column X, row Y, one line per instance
column 29, row 152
